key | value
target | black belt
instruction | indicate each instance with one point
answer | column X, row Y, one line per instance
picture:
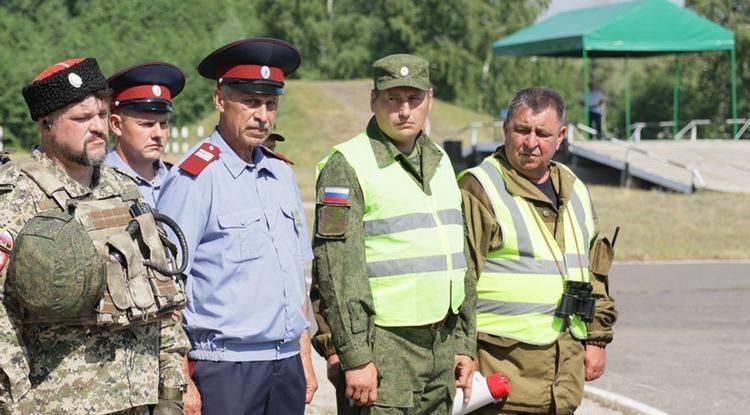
column 449, row 321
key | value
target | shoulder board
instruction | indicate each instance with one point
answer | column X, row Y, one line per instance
column 202, row 157
column 276, row 155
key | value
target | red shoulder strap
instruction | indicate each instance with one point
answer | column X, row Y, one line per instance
column 276, row 154
column 201, row 157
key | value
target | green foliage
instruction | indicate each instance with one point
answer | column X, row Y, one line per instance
column 339, row 39
column 704, row 79
column 36, row 33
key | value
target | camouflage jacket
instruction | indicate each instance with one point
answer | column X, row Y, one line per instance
column 73, row 369
column 341, row 294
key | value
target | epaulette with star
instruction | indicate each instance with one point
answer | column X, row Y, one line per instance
column 275, row 154
column 200, row 159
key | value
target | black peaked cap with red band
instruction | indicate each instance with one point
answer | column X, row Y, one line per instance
column 149, row 86
column 62, row 84
column 255, row 65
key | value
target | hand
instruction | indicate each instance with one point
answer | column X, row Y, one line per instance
column 594, row 360
column 311, row 382
column 334, row 369
column 362, row 384
column 191, row 400
column 463, row 367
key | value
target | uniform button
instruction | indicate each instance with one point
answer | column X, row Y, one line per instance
column 557, row 382
column 545, row 212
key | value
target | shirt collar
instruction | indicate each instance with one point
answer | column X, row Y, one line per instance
column 233, row 162
column 114, row 160
column 72, row 187
column 521, row 186
column 384, row 150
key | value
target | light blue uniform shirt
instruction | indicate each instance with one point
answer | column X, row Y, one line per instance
column 248, row 242
column 149, row 190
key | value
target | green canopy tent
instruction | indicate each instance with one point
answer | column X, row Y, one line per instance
column 634, row 28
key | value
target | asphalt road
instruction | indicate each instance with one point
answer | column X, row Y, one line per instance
column 682, row 342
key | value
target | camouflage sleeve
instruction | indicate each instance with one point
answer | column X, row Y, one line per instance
column 340, row 271
column 466, row 330
column 17, row 204
column 321, row 341
column 173, row 347
column 600, row 331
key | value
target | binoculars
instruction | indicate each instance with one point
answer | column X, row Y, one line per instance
column 577, row 300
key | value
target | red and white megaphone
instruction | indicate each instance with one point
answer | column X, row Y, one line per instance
column 484, row 391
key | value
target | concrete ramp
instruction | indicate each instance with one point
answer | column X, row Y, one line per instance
column 682, row 166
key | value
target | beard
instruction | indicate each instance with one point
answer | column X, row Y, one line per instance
column 84, row 158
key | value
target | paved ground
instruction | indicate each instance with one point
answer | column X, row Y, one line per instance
column 324, row 402
column 682, row 344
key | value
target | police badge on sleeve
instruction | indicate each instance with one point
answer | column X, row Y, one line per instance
column 6, row 246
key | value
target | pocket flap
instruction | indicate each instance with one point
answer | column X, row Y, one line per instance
column 239, row 219
column 141, row 292
column 118, row 289
column 395, row 398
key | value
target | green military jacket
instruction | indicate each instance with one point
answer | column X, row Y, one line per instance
column 545, row 376
column 340, row 291
column 75, row 369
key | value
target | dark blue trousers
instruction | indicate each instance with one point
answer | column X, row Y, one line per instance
column 275, row 387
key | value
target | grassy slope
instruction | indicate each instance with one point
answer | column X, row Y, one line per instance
column 315, row 115
column 658, row 225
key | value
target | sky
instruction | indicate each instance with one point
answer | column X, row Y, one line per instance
column 558, row 6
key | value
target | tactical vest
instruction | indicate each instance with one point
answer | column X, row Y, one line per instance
column 523, row 281
column 414, row 243
column 126, row 238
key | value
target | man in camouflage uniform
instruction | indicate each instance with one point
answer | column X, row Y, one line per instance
column 67, row 369
column 405, row 363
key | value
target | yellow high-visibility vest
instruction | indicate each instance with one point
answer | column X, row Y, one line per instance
column 414, row 242
column 523, row 281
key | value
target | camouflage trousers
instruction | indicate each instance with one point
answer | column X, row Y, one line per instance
column 138, row 410
column 163, row 408
column 415, row 372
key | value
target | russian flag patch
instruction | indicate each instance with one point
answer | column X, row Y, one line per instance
column 335, row 196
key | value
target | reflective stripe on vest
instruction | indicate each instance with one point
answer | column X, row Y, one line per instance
column 522, row 283
column 414, row 243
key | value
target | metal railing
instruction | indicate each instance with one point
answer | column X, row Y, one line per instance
column 696, row 179
column 475, row 127
column 691, row 126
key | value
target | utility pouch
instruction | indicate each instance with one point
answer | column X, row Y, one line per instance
column 602, row 255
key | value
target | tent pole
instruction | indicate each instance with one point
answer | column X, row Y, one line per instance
column 734, row 91
column 585, row 90
column 676, row 95
column 627, row 100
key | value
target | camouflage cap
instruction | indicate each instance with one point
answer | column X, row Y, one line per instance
column 401, row 70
